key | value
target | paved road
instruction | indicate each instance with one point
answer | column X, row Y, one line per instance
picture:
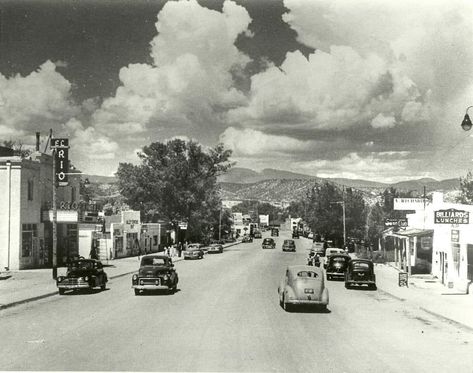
column 226, row 317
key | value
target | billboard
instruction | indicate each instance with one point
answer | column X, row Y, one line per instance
column 409, row 203
column 264, row 219
column 451, row 216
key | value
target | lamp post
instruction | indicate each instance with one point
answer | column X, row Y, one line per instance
column 466, row 123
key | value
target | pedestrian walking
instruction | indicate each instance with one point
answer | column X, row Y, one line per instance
column 93, row 253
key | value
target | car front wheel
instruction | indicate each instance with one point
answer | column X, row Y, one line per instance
column 62, row 291
column 137, row 292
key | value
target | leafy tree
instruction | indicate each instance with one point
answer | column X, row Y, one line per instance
column 17, row 147
column 466, row 189
column 176, row 180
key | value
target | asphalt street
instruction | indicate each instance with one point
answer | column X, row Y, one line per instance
column 226, row 317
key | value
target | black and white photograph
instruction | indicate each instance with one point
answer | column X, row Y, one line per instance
column 236, row 186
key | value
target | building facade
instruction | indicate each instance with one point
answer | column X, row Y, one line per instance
column 26, row 230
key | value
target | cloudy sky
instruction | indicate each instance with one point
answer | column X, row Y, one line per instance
column 372, row 89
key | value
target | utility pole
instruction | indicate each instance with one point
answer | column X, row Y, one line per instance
column 344, row 219
column 220, row 224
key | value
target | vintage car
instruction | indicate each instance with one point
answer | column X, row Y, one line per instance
column 274, row 232
column 332, row 251
column 337, row 265
column 268, row 243
column 247, row 239
column 156, row 273
column 295, row 233
column 82, row 274
column 360, row 272
column 215, row 248
column 289, row 245
column 303, row 285
column 194, row 251
column 257, row 234
column 318, row 248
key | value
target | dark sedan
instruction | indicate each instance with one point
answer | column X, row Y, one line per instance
column 268, row 243
column 82, row 274
column 337, row 265
column 289, row 245
column 360, row 272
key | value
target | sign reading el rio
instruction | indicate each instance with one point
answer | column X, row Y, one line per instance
column 61, row 155
column 452, row 216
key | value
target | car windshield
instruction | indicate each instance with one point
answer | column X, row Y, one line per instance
column 307, row 274
column 361, row 265
column 268, row 241
column 153, row 261
column 288, row 242
column 339, row 259
column 82, row 265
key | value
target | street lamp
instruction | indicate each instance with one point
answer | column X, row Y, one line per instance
column 466, row 123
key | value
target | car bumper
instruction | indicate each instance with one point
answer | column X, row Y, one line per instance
column 286, row 249
column 360, row 282
column 336, row 274
column 73, row 287
column 151, row 287
column 192, row 256
column 307, row 302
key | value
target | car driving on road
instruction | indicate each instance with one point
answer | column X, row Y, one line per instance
column 194, row 251
column 215, row 248
column 337, row 265
column 156, row 273
column 268, row 243
column 289, row 245
column 303, row 285
column 82, row 274
column 360, row 272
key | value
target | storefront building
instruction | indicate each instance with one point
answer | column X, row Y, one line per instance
column 439, row 239
column 26, row 190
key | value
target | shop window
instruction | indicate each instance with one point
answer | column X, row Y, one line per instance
column 28, row 235
column 30, row 190
column 155, row 240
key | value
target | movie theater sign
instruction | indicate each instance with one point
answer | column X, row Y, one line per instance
column 451, row 216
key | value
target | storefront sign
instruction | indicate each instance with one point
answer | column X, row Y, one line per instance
column 183, row 225
column 451, row 216
column 395, row 222
column 455, row 235
column 409, row 203
column 403, row 279
column 61, row 157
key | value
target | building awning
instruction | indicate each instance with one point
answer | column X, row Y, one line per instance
column 62, row 216
column 412, row 232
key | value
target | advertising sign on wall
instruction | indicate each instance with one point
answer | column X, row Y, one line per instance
column 409, row 203
column 451, row 216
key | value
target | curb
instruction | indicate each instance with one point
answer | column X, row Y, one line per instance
column 447, row 319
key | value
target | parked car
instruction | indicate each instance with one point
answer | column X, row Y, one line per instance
column 337, row 265
column 194, row 251
column 318, row 248
column 289, row 245
column 257, row 234
column 295, row 234
column 360, row 272
column 303, row 285
column 274, row 232
column 268, row 243
column 82, row 274
column 247, row 239
column 156, row 273
column 215, row 248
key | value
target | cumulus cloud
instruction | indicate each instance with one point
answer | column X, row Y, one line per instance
column 189, row 84
column 36, row 102
column 248, row 143
column 381, row 167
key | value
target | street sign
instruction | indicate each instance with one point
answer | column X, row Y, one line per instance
column 402, row 222
column 451, row 216
column 61, row 157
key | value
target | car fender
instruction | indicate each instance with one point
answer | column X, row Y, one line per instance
column 325, row 296
column 289, row 292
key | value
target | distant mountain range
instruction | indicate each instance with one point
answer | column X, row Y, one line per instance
column 276, row 185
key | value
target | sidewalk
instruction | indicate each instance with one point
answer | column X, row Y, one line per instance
column 427, row 293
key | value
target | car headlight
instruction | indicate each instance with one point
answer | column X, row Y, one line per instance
column 86, row 278
column 59, row 279
column 135, row 277
column 80, row 279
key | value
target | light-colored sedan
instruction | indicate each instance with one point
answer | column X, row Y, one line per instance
column 194, row 251
column 215, row 248
column 303, row 285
